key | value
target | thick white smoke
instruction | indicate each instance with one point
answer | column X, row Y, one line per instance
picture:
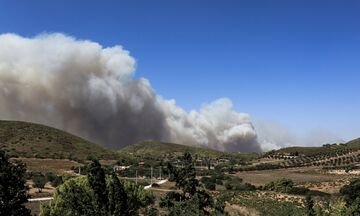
column 83, row 88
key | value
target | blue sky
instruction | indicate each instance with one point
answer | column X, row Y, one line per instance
column 293, row 62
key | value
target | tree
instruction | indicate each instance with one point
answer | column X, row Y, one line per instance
column 192, row 201
column 39, row 181
column 309, row 205
column 351, row 194
column 117, row 197
column 185, row 178
column 58, row 180
column 82, row 196
column 96, row 178
column 12, row 187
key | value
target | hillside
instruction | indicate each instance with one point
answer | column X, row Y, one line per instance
column 328, row 155
column 23, row 139
column 161, row 149
column 352, row 145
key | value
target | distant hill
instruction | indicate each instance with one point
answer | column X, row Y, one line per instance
column 352, row 145
column 23, row 139
column 161, row 149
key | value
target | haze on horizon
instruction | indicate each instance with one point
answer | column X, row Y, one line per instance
column 265, row 75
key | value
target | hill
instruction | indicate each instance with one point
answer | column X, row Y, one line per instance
column 162, row 149
column 327, row 155
column 23, row 139
column 352, row 145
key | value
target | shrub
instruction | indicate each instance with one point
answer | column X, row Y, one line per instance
column 281, row 185
column 210, row 185
column 245, row 187
column 39, row 181
column 299, row 191
column 58, row 180
column 50, row 176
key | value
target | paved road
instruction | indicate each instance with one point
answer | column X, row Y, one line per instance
column 40, row 199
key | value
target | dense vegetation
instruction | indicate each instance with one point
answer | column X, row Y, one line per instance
column 12, row 187
column 155, row 149
column 97, row 194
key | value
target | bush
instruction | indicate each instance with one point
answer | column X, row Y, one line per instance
column 245, row 187
column 39, row 181
column 351, row 192
column 58, row 180
column 299, row 191
column 50, row 176
column 281, row 185
column 228, row 186
column 210, row 185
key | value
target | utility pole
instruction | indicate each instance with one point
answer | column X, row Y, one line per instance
column 151, row 175
column 160, row 172
column 136, row 176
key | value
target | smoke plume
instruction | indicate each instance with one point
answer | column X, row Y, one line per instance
column 89, row 90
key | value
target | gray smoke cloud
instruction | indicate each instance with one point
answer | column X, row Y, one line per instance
column 89, row 90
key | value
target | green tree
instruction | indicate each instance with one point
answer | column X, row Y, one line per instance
column 39, row 181
column 117, row 197
column 96, row 177
column 12, row 187
column 77, row 196
column 309, row 205
column 185, row 178
column 192, row 201
column 351, row 194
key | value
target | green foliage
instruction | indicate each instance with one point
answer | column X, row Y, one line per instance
column 155, row 149
column 191, row 201
column 281, row 185
column 335, row 207
column 351, row 192
column 235, row 183
column 185, row 178
column 96, row 178
column 82, row 196
column 151, row 211
column 208, row 183
column 58, row 180
column 117, row 195
column 39, row 181
column 12, row 187
column 309, row 205
column 50, row 176
column 268, row 206
column 351, row 196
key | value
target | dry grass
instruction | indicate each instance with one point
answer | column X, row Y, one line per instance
column 58, row 166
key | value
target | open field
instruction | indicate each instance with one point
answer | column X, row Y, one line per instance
column 298, row 175
column 58, row 166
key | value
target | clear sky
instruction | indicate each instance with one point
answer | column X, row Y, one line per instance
column 293, row 62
